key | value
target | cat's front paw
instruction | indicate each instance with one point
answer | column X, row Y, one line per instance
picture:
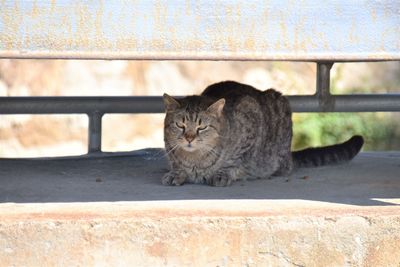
column 220, row 179
column 172, row 178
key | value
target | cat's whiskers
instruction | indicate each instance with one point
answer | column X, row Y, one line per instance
column 210, row 151
column 167, row 152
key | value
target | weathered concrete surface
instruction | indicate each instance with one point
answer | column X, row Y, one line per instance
column 199, row 233
column 233, row 30
column 54, row 213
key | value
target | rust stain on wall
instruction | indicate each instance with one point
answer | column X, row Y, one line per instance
column 187, row 30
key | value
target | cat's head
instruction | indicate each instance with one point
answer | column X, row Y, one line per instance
column 192, row 123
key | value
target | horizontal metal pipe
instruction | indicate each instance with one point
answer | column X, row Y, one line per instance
column 154, row 104
column 71, row 105
column 347, row 103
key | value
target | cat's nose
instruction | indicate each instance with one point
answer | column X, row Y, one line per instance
column 189, row 137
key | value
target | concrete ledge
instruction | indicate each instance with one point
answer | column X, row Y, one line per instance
column 54, row 213
column 199, row 233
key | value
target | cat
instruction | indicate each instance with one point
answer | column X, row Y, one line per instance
column 234, row 131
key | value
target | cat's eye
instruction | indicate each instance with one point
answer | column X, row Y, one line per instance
column 202, row 128
column 180, row 125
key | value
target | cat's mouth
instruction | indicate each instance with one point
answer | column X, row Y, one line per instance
column 189, row 147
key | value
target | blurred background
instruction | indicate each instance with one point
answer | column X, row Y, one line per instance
column 55, row 135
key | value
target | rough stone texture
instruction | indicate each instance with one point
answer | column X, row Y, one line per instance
column 113, row 212
column 197, row 233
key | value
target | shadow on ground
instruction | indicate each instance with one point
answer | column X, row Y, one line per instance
column 136, row 176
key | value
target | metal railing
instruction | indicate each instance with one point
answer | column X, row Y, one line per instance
column 96, row 107
column 316, row 31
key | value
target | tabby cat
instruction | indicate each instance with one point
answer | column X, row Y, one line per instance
column 233, row 131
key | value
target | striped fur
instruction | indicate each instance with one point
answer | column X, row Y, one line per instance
column 328, row 155
column 233, row 131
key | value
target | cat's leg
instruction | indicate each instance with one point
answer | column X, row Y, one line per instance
column 174, row 177
column 220, row 178
column 285, row 167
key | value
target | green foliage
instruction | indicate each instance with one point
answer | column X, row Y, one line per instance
column 380, row 131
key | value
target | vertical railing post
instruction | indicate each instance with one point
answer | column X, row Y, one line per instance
column 323, row 94
column 95, row 132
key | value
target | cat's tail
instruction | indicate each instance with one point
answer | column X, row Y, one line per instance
column 328, row 155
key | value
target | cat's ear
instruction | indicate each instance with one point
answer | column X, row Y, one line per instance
column 217, row 107
column 170, row 103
